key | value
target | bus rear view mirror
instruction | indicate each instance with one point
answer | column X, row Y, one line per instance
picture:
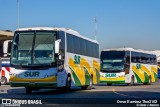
column 57, row 46
column 6, row 47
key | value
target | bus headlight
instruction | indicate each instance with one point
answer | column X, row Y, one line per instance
column 121, row 76
column 14, row 74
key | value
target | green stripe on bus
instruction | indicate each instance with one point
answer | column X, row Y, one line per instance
column 155, row 76
column 87, row 76
column 137, row 77
column 146, row 77
column 97, row 75
column 76, row 79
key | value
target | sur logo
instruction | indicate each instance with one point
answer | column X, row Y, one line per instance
column 77, row 59
column 110, row 74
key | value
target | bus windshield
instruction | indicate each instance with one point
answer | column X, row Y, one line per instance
column 33, row 48
column 112, row 64
column 112, row 61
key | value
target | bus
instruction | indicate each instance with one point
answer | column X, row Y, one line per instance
column 5, row 61
column 46, row 57
column 158, row 69
column 157, row 52
column 127, row 65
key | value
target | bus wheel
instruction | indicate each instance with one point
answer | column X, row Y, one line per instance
column 109, row 84
column 132, row 81
column 3, row 80
column 65, row 89
column 88, row 87
column 149, row 81
column 28, row 90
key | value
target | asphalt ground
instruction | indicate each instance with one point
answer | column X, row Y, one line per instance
column 100, row 95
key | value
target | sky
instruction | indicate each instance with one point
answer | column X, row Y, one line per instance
column 120, row 23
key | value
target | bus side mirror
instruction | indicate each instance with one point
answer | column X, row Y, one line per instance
column 57, row 46
column 6, row 47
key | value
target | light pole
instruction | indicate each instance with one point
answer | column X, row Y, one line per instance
column 18, row 13
column 95, row 27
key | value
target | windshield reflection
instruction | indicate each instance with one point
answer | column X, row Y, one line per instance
column 33, row 48
column 112, row 64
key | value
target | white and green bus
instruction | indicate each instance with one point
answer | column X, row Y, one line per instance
column 45, row 57
column 127, row 65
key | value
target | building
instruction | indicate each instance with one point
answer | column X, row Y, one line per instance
column 4, row 35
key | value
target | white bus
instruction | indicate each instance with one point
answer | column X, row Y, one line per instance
column 128, row 65
column 45, row 57
column 5, row 60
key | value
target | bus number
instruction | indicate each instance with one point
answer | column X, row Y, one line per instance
column 77, row 59
column 138, row 66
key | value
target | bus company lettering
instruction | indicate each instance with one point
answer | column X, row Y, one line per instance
column 110, row 75
column 31, row 74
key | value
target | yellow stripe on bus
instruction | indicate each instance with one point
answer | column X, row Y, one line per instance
column 139, row 73
column 154, row 70
column 48, row 79
column 97, row 66
column 112, row 79
column 84, row 63
column 78, row 71
column 149, row 73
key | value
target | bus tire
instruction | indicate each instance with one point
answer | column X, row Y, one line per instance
column 132, row 81
column 109, row 84
column 149, row 81
column 28, row 90
column 66, row 88
column 3, row 80
column 88, row 87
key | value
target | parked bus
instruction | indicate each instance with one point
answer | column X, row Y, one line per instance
column 5, row 60
column 157, row 52
column 44, row 57
column 128, row 65
column 158, row 69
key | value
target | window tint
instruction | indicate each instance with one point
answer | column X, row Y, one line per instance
column 81, row 46
column 76, row 45
column 70, row 46
column 62, row 37
column 143, row 58
column 97, row 51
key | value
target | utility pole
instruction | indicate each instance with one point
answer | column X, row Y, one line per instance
column 95, row 27
column 18, row 13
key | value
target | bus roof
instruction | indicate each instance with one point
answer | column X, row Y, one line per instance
column 67, row 30
column 130, row 49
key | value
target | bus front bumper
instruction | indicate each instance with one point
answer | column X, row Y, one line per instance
column 34, row 82
column 119, row 80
